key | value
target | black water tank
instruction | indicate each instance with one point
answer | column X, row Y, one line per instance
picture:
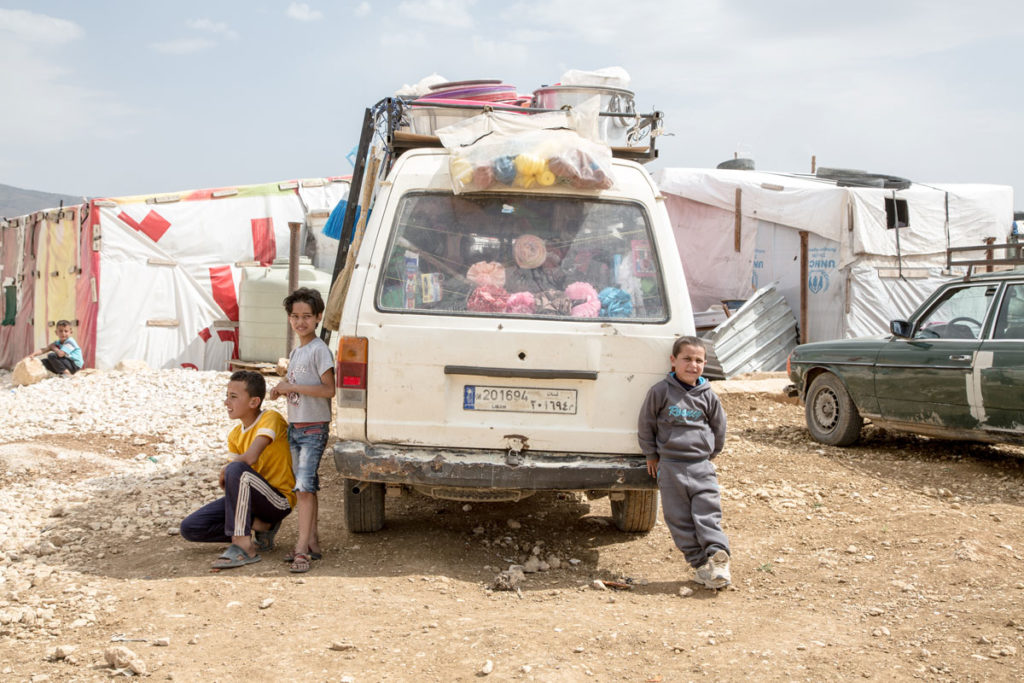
column 738, row 164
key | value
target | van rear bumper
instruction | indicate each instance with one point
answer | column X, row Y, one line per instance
column 491, row 469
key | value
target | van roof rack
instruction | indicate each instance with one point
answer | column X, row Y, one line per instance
column 394, row 115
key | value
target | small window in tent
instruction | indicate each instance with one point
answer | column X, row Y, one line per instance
column 896, row 213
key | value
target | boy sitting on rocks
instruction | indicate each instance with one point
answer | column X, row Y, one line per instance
column 63, row 356
column 257, row 483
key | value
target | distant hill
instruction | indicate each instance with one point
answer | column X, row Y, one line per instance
column 15, row 201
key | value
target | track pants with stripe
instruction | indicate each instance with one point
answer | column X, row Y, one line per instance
column 247, row 495
column 692, row 505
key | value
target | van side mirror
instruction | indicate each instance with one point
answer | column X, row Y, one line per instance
column 901, row 328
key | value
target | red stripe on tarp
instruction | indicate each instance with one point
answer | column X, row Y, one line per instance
column 125, row 218
column 87, row 288
column 205, row 334
column 264, row 245
column 229, row 336
column 223, row 285
column 153, row 225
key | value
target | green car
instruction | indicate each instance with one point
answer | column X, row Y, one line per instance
column 955, row 370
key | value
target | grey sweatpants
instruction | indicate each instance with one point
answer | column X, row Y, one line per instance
column 692, row 506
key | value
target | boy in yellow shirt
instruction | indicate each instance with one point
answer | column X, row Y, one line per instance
column 257, row 483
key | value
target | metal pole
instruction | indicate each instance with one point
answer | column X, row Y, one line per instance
column 348, row 222
column 293, row 276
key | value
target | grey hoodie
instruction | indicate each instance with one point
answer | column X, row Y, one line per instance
column 677, row 424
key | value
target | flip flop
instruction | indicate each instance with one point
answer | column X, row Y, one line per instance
column 265, row 539
column 300, row 565
column 234, row 556
column 290, row 557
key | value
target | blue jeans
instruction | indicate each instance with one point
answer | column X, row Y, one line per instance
column 307, row 445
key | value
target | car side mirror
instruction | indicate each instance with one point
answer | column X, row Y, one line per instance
column 901, row 328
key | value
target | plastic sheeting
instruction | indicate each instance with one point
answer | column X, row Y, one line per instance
column 18, row 262
column 854, row 282
column 153, row 277
column 57, row 265
column 170, row 271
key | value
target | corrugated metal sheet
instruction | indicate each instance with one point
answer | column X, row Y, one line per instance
column 759, row 336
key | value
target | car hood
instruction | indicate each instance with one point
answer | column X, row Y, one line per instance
column 861, row 349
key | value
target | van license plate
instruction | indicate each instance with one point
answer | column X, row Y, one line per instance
column 519, row 399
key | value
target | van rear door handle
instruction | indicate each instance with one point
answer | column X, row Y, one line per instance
column 960, row 356
column 517, row 372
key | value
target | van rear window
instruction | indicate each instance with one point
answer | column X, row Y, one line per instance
column 522, row 256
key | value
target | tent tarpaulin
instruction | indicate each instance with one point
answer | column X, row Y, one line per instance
column 157, row 276
column 859, row 276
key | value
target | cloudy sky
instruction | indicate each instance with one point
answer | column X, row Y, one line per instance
column 115, row 98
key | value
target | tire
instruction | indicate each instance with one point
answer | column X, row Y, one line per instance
column 637, row 512
column 831, row 416
column 848, row 177
column 364, row 511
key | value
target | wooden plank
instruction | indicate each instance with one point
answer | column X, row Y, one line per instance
column 803, row 286
column 738, row 230
column 257, row 366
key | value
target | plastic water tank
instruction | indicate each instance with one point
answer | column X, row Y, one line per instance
column 262, row 322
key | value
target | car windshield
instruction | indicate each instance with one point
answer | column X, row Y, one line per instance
column 959, row 314
column 522, row 256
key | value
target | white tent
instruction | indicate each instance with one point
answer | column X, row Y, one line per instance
column 154, row 277
column 849, row 258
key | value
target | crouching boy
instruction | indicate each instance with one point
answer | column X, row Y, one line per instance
column 64, row 356
column 257, row 482
column 681, row 429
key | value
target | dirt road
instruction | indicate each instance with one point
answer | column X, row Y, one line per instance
column 898, row 559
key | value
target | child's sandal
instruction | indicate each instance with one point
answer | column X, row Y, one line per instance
column 313, row 555
column 300, row 564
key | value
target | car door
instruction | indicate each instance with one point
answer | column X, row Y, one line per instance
column 999, row 369
column 924, row 380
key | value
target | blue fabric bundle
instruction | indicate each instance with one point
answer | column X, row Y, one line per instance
column 332, row 228
column 615, row 303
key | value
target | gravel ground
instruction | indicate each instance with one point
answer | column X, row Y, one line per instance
column 898, row 559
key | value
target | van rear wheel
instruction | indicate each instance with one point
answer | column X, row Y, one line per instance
column 364, row 506
column 637, row 512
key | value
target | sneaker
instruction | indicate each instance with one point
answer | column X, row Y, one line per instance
column 704, row 574
column 720, row 577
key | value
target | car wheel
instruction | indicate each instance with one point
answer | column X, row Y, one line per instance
column 364, row 506
column 832, row 418
column 637, row 512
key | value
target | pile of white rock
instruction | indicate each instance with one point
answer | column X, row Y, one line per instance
column 62, row 505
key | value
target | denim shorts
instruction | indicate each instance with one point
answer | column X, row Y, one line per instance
column 307, row 445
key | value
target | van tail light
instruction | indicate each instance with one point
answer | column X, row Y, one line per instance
column 351, row 372
column 352, row 363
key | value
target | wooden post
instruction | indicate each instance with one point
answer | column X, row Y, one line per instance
column 738, row 230
column 803, row 286
column 989, row 253
column 814, row 164
column 293, row 276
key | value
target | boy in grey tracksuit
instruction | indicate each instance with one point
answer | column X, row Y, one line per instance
column 681, row 428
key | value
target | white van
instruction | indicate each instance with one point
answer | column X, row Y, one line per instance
column 499, row 343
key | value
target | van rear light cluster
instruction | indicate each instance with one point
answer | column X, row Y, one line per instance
column 351, row 372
